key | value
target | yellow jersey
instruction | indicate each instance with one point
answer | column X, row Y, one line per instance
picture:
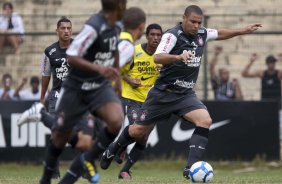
column 142, row 69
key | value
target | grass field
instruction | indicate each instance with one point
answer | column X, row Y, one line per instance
column 161, row 172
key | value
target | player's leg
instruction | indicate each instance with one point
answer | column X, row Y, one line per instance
column 82, row 140
column 67, row 117
column 199, row 139
column 132, row 108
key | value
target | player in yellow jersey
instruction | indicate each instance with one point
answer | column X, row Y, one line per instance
column 139, row 77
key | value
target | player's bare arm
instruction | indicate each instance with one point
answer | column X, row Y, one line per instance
column 224, row 34
column 164, row 58
column 44, row 86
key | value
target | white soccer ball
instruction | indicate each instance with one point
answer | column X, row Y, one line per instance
column 201, row 172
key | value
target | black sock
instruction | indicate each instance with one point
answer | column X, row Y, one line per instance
column 51, row 160
column 103, row 140
column 47, row 119
column 74, row 172
column 123, row 140
column 73, row 140
column 134, row 155
column 197, row 144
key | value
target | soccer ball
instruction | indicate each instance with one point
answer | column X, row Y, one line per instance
column 201, row 172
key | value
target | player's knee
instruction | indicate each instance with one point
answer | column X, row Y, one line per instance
column 114, row 123
column 84, row 143
column 206, row 123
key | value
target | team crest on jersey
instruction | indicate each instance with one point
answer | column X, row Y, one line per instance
column 143, row 115
column 138, row 54
column 134, row 114
column 52, row 51
column 200, row 41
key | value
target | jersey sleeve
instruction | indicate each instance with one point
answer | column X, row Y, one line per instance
column 167, row 43
column 212, row 34
column 126, row 52
column 82, row 41
column 45, row 66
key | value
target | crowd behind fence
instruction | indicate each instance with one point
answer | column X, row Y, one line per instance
column 40, row 32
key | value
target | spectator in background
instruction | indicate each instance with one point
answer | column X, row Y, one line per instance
column 270, row 77
column 7, row 93
column 224, row 89
column 33, row 93
column 11, row 28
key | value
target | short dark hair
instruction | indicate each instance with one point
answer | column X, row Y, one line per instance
column 34, row 79
column 153, row 26
column 62, row 19
column 109, row 5
column 6, row 75
column 10, row 5
column 270, row 59
column 133, row 17
column 193, row 9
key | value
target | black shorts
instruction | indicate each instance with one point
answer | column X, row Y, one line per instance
column 132, row 109
column 85, row 125
column 159, row 105
column 74, row 103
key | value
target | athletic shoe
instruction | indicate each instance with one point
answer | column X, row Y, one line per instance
column 91, row 173
column 186, row 173
column 107, row 158
column 32, row 114
column 125, row 175
column 56, row 173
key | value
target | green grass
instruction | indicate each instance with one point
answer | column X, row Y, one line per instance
column 161, row 172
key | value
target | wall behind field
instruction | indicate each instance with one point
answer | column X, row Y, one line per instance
column 40, row 18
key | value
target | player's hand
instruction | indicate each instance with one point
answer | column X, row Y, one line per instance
column 134, row 83
column 253, row 57
column 159, row 67
column 252, row 27
column 109, row 72
column 186, row 56
column 117, row 86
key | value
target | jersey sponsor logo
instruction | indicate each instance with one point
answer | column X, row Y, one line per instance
column 104, row 58
column 145, row 78
column 52, row 51
column 195, row 61
column 184, row 84
column 63, row 70
column 201, row 31
column 178, row 134
column 146, row 68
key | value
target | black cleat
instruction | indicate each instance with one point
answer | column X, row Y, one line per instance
column 186, row 173
column 107, row 158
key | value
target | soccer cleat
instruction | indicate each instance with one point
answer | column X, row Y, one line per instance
column 186, row 173
column 31, row 114
column 125, row 175
column 107, row 158
column 56, row 173
column 91, row 173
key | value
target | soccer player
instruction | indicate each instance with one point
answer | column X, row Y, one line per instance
column 134, row 22
column 137, row 80
column 54, row 63
column 94, row 60
column 180, row 52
